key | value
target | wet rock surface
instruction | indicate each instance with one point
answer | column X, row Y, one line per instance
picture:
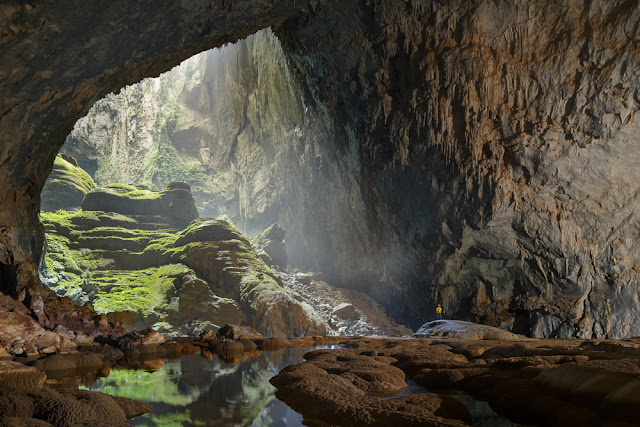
column 532, row 382
column 458, row 329
column 344, row 311
column 238, row 332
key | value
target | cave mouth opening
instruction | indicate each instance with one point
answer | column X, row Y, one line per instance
column 211, row 129
column 230, row 136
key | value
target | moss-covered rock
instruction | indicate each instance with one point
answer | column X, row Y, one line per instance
column 175, row 202
column 220, row 254
column 66, row 186
column 271, row 241
column 205, row 275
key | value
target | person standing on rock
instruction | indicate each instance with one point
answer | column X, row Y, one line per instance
column 439, row 311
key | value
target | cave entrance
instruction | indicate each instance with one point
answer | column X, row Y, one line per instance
column 233, row 129
column 222, row 127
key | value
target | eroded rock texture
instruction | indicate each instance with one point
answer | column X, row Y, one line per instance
column 497, row 144
column 493, row 143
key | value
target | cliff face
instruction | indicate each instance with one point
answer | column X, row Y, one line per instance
column 498, row 142
column 493, row 144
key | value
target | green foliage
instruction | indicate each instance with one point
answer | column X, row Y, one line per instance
column 262, row 239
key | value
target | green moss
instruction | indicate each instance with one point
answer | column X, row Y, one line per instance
column 142, row 291
column 133, row 191
column 71, row 175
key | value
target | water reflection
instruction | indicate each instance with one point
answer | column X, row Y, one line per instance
column 205, row 390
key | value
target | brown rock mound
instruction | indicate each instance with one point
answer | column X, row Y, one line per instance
column 140, row 338
column 17, row 375
column 59, row 362
column 340, row 387
column 68, row 407
column 237, row 332
column 458, row 329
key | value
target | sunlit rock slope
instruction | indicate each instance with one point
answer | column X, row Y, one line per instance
column 127, row 255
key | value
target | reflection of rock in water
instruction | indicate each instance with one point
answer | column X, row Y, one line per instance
column 195, row 390
column 482, row 413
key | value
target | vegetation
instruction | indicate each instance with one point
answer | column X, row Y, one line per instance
column 67, row 172
column 138, row 263
column 145, row 292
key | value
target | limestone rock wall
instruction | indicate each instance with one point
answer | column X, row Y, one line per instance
column 238, row 126
column 499, row 150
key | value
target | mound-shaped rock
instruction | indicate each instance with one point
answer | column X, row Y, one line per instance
column 66, row 186
column 17, row 375
column 175, row 202
column 458, row 329
column 235, row 271
column 60, row 362
column 68, row 407
column 341, row 387
column 271, row 241
column 238, row 332
column 198, row 302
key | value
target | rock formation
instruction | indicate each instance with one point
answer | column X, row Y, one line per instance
column 492, row 143
column 496, row 177
column 271, row 243
column 175, row 204
column 457, row 329
column 123, row 254
column 66, row 186
column 551, row 382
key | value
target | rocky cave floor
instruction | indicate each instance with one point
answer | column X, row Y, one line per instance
column 557, row 382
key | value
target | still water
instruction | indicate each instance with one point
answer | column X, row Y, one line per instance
column 204, row 390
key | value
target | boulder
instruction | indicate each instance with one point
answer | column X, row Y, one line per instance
column 271, row 241
column 271, row 344
column 140, row 338
column 207, row 335
column 17, row 375
column 124, row 317
column 68, row 407
column 227, row 347
column 457, row 329
column 238, row 332
column 60, row 362
column 66, row 186
column 249, row 345
column 198, row 302
column 346, row 311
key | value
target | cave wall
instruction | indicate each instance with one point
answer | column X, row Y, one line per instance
column 494, row 142
column 498, row 142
